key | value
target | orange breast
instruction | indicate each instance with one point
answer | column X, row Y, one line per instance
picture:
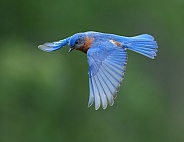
column 86, row 45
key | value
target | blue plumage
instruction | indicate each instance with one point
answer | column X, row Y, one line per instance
column 49, row 47
column 106, row 71
column 142, row 44
column 107, row 57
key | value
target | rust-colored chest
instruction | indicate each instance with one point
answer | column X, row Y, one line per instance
column 86, row 45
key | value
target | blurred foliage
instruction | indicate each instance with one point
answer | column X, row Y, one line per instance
column 43, row 96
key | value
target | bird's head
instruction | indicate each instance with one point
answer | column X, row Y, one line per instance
column 76, row 41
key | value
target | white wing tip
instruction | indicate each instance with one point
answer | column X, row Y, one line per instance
column 45, row 48
column 97, row 106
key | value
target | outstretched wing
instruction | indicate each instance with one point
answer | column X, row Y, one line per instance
column 106, row 67
column 52, row 46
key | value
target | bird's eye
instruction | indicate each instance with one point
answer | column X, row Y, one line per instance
column 77, row 41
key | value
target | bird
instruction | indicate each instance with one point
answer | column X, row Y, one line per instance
column 107, row 58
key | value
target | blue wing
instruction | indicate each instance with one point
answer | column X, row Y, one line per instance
column 106, row 67
column 52, row 46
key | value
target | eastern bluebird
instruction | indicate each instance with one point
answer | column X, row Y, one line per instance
column 106, row 57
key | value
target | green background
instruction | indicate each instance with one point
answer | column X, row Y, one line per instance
column 43, row 96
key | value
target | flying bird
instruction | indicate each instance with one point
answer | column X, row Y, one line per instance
column 106, row 57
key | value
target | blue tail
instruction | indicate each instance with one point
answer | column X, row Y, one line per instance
column 143, row 44
column 52, row 46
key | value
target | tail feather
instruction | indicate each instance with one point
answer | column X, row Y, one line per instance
column 143, row 44
column 49, row 47
column 147, row 36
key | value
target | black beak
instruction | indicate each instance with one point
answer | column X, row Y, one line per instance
column 70, row 50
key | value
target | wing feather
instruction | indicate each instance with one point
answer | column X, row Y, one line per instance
column 101, row 92
column 91, row 96
column 106, row 67
column 108, row 93
column 96, row 94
